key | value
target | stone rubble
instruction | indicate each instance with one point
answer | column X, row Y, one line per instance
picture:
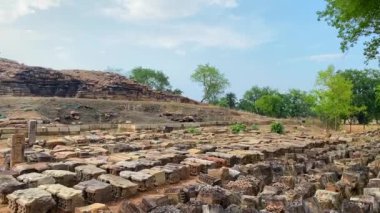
column 223, row 173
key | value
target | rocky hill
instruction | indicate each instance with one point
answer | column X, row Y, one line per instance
column 21, row 80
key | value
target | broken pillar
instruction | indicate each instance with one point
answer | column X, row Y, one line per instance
column 88, row 172
column 17, row 149
column 32, row 131
column 63, row 177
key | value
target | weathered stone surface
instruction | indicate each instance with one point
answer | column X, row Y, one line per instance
column 144, row 180
column 93, row 208
column 63, row 177
column 328, row 199
column 30, row 201
column 88, row 172
column 95, row 191
column 8, row 184
column 121, row 187
column 21, row 80
column 35, row 179
column 67, row 199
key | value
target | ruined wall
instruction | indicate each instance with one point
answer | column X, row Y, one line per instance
column 21, row 80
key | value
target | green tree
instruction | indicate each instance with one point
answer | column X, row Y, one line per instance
column 364, row 93
column 214, row 83
column 271, row 105
column 176, row 91
column 152, row 78
column 355, row 19
column 298, row 103
column 333, row 97
column 247, row 103
column 228, row 101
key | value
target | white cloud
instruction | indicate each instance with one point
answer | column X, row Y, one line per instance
column 162, row 9
column 326, row 57
column 181, row 37
column 10, row 10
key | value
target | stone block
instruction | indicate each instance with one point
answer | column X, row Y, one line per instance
column 67, row 199
column 35, row 179
column 30, row 201
column 144, row 180
column 121, row 187
column 95, row 191
column 8, row 184
column 93, row 208
column 159, row 175
column 63, row 177
column 88, row 172
column 328, row 199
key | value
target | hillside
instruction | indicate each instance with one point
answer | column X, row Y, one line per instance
column 21, row 80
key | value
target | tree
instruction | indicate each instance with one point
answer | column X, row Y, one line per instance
column 355, row 19
column 364, row 93
column 152, row 78
column 298, row 103
column 176, row 91
column 252, row 95
column 271, row 105
column 214, row 83
column 228, row 101
column 333, row 97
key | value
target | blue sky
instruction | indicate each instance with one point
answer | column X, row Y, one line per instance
column 277, row 43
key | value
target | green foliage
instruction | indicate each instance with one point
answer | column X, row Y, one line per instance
column 355, row 19
column 228, row 101
column 334, row 97
column 194, row 131
column 176, row 91
column 214, row 83
column 152, row 78
column 298, row 103
column 238, row 128
column 364, row 93
column 277, row 127
column 270, row 105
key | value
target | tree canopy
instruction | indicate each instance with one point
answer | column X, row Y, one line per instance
column 355, row 19
column 213, row 81
column 333, row 97
column 152, row 78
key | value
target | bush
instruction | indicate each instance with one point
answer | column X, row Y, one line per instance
column 255, row 127
column 277, row 127
column 237, row 128
column 193, row 131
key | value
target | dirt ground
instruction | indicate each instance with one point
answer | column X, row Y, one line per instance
column 93, row 110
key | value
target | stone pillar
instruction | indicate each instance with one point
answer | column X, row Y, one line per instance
column 32, row 131
column 17, row 150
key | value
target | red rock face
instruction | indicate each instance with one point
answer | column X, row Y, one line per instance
column 21, row 80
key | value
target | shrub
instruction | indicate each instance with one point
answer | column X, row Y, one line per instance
column 238, row 127
column 193, row 131
column 255, row 127
column 277, row 127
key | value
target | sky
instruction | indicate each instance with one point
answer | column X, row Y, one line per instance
column 276, row 43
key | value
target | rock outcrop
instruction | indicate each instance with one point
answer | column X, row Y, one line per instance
column 21, row 80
